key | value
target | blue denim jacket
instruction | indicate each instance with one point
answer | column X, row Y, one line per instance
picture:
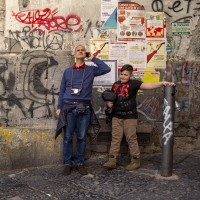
column 75, row 106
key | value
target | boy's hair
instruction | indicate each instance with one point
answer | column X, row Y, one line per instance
column 128, row 68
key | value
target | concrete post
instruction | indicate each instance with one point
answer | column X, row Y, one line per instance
column 168, row 131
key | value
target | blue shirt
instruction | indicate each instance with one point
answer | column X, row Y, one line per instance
column 73, row 78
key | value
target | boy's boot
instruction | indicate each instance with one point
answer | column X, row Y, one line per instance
column 135, row 164
column 111, row 163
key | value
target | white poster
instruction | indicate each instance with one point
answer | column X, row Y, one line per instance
column 137, row 53
column 130, row 21
column 107, row 8
column 106, row 79
column 119, row 51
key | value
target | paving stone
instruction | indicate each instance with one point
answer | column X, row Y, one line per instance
column 146, row 183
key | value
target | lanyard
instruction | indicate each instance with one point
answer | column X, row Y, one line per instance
column 81, row 81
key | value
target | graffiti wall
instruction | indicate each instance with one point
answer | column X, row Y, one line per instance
column 37, row 40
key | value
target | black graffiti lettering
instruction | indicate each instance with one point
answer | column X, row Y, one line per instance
column 87, row 29
column 89, row 26
column 13, row 40
column 197, row 8
column 185, row 19
column 39, row 69
column 35, row 93
column 25, row 3
column 175, row 5
column 34, row 39
column 188, row 5
column 157, row 6
column 54, row 43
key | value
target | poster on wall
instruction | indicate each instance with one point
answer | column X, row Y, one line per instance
column 100, row 48
column 130, row 21
column 106, row 79
column 137, row 54
column 108, row 7
column 119, row 51
column 147, row 76
column 156, row 53
column 109, row 34
column 155, row 25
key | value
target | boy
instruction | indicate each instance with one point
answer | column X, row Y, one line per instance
column 125, row 116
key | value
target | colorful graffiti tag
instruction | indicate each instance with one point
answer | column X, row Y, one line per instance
column 48, row 19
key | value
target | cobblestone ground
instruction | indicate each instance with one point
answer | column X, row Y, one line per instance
column 143, row 184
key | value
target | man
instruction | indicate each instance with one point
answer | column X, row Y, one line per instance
column 74, row 106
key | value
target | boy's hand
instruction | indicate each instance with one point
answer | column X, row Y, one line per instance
column 109, row 104
column 165, row 83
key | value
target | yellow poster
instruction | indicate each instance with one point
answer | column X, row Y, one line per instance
column 100, row 48
column 156, row 53
column 147, row 76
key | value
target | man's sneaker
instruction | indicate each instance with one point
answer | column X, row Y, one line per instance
column 67, row 170
column 82, row 170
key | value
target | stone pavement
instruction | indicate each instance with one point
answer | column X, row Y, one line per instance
column 48, row 182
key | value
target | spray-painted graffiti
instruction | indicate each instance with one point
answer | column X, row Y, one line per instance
column 37, row 38
column 195, row 99
column 36, row 71
column 37, row 94
column 99, row 105
column 181, row 72
column 189, row 8
column 34, row 39
column 149, row 108
column 12, row 139
column 48, row 20
column 168, row 124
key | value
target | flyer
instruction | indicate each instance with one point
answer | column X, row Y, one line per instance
column 107, row 8
column 119, row 51
column 106, row 79
column 156, row 53
column 130, row 21
column 137, row 53
column 155, row 25
column 100, row 48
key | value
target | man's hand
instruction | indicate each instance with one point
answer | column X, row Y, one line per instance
column 109, row 104
column 58, row 112
column 90, row 58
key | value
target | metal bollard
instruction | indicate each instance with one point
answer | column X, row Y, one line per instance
column 168, row 131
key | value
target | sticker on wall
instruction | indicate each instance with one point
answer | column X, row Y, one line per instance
column 170, row 44
column 181, row 28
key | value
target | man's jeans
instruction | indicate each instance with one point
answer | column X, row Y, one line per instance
column 79, row 123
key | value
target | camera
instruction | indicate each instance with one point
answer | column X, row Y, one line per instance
column 75, row 91
column 87, row 54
